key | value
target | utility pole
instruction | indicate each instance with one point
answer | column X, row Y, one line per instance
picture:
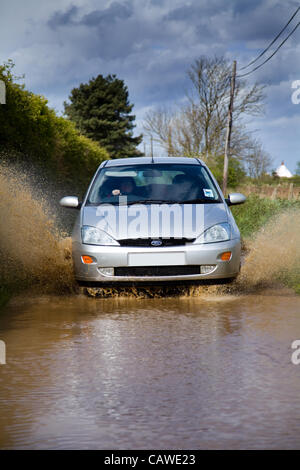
column 229, row 128
column 151, row 140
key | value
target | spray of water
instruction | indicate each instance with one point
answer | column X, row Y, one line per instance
column 274, row 253
column 33, row 251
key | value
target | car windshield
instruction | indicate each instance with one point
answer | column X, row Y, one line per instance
column 153, row 183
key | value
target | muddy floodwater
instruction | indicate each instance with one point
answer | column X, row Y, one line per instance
column 207, row 372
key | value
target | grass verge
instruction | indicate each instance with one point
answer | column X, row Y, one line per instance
column 256, row 212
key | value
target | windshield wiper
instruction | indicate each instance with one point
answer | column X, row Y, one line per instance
column 199, row 201
column 151, row 201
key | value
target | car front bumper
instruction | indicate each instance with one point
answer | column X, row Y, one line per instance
column 187, row 255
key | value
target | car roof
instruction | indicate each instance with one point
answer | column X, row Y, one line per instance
column 149, row 160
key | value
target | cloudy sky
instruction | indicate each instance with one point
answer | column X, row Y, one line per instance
column 150, row 44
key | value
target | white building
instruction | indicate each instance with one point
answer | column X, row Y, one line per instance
column 283, row 172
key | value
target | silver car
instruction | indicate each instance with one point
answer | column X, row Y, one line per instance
column 154, row 220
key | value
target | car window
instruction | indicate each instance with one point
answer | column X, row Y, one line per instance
column 153, row 182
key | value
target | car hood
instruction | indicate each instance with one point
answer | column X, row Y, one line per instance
column 153, row 220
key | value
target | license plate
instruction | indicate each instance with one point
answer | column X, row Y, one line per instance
column 156, row 259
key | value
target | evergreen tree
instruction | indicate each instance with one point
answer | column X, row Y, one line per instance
column 101, row 110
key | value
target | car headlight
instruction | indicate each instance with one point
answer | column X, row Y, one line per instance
column 94, row 236
column 216, row 233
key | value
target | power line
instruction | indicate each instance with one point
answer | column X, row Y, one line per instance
column 270, row 57
column 274, row 40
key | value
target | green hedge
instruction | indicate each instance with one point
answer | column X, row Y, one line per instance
column 31, row 132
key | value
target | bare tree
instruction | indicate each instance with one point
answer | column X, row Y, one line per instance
column 257, row 161
column 160, row 125
column 198, row 126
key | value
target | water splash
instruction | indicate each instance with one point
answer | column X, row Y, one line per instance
column 274, row 253
column 33, row 251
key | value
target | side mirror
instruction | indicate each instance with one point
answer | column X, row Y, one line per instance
column 70, row 201
column 235, row 199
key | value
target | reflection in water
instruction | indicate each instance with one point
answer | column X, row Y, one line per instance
column 162, row 373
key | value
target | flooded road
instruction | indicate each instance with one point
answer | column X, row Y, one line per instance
column 173, row 373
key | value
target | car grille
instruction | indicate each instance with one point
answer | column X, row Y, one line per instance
column 147, row 242
column 141, row 271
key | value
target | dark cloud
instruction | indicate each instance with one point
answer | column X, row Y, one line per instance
column 63, row 18
column 109, row 15
column 196, row 11
column 96, row 17
column 257, row 21
column 245, row 7
column 184, row 13
column 157, row 3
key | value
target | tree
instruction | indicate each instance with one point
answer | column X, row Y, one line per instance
column 236, row 172
column 257, row 160
column 101, row 111
column 298, row 168
column 198, row 127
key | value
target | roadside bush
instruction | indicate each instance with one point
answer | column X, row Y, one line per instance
column 31, row 132
column 236, row 173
